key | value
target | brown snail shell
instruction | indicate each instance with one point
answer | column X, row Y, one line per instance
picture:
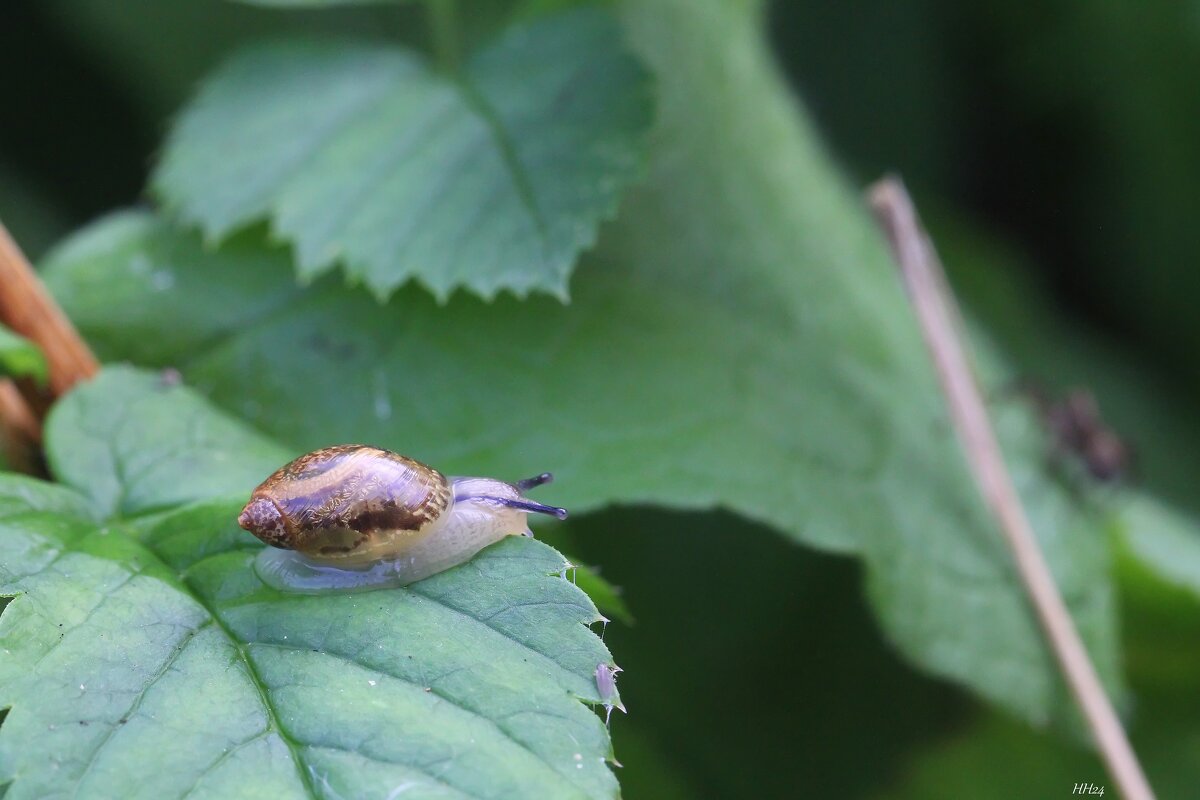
column 360, row 509
column 348, row 503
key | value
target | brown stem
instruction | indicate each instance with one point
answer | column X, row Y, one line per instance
column 941, row 325
column 28, row 309
column 20, row 431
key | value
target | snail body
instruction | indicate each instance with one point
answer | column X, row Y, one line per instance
column 354, row 517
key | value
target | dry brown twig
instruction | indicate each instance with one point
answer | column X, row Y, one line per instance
column 27, row 309
column 20, row 431
column 941, row 325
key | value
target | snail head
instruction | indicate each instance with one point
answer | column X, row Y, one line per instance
column 262, row 518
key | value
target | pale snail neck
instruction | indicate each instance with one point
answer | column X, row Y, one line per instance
column 476, row 512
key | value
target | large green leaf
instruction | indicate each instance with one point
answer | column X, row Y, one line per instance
column 161, row 646
column 1162, row 540
column 20, row 358
column 741, row 340
column 366, row 155
column 137, row 442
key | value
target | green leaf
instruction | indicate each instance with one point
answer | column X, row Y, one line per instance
column 1163, row 540
column 20, row 494
column 152, row 288
column 606, row 596
column 138, row 442
column 741, row 341
column 366, row 155
column 122, row 648
column 21, row 358
column 582, row 411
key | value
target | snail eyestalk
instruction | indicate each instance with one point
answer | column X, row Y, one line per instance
column 502, row 494
column 535, row 481
column 530, row 506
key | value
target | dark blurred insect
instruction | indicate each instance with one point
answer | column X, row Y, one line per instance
column 1079, row 431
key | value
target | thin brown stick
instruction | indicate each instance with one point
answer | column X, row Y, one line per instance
column 20, row 431
column 28, row 309
column 939, row 317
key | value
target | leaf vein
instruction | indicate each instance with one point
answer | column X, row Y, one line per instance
column 476, row 100
column 94, row 756
column 221, row 759
column 424, row 770
column 486, row 622
column 448, row 698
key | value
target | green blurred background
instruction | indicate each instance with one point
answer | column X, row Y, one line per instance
column 1055, row 150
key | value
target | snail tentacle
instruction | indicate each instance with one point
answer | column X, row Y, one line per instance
column 537, row 480
column 521, row 505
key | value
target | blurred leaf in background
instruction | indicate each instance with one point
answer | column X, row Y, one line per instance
column 494, row 178
column 20, row 358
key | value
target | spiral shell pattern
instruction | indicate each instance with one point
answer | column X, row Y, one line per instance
column 353, row 502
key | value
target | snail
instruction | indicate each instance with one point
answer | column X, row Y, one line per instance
column 353, row 517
